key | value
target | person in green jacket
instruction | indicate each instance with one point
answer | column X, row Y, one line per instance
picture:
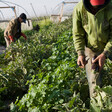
column 92, row 35
column 13, row 30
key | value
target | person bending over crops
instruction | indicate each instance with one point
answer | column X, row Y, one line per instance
column 92, row 35
column 13, row 30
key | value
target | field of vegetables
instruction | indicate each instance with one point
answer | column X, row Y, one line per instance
column 41, row 74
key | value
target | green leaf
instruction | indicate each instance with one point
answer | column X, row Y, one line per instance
column 108, row 90
column 94, row 107
column 24, row 71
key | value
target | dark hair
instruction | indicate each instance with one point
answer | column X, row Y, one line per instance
column 23, row 16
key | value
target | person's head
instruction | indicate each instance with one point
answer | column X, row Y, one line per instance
column 96, row 3
column 23, row 18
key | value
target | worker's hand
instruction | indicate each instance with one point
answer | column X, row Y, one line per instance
column 81, row 61
column 25, row 37
column 22, row 34
column 101, row 60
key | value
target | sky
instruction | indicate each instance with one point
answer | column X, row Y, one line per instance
column 32, row 8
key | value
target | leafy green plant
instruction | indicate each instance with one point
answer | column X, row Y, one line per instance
column 54, row 85
column 42, row 75
column 103, row 100
column 23, row 59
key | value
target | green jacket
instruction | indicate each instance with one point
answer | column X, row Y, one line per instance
column 93, row 31
column 13, row 29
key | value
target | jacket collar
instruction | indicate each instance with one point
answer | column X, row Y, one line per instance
column 88, row 6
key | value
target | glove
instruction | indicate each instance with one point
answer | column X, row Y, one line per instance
column 22, row 34
column 11, row 38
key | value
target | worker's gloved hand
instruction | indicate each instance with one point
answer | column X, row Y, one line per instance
column 22, row 34
column 11, row 38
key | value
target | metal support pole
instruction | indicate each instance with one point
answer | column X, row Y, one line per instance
column 2, row 14
column 34, row 11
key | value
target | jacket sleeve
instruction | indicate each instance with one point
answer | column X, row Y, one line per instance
column 108, row 47
column 78, row 32
column 10, row 27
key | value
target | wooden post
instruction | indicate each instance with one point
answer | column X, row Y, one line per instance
column 11, row 7
column 70, row 2
column 61, row 15
column 15, row 12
